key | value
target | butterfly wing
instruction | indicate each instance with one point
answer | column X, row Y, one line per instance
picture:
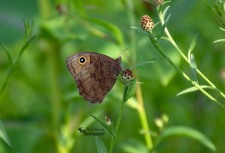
column 97, row 78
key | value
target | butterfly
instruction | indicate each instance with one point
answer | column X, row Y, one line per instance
column 94, row 73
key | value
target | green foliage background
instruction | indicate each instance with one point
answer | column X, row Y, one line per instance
column 40, row 107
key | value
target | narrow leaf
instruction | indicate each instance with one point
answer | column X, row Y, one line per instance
column 165, row 11
column 161, row 31
column 130, row 88
column 7, row 53
column 219, row 40
column 192, row 89
column 104, row 125
column 24, row 47
column 222, row 29
column 193, row 66
column 101, row 148
column 3, row 135
column 192, row 46
column 114, row 30
column 188, row 132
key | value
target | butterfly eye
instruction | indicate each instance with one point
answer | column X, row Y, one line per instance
column 82, row 60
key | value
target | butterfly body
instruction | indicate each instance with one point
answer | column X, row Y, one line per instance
column 94, row 73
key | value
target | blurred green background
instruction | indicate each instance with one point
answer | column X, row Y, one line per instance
column 40, row 107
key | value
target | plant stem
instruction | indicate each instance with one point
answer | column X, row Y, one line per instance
column 143, row 117
column 185, row 58
column 118, row 120
column 54, row 73
column 141, row 109
column 181, row 72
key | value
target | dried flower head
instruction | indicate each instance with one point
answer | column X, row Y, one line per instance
column 146, row 23
column 158, row 2
column 127, row 76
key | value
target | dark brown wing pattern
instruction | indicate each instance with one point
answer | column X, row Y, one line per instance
column 96, row 79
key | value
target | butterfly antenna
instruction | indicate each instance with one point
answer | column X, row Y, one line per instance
column 147, row 62
column 123, row 51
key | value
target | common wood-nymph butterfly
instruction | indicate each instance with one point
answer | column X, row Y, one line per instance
column 94, row 73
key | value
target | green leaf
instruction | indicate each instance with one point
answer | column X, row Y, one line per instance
column 7, row 53
column 134, row 146
column 214, row 10
column 192, row 89
column 28, row 29
column 192, row 46
column 165, row 11
column 222, row 29
column 193, row 66
column 161, row 31
column 219, row 40
column 3, row 135
column 24, row 47
column 188, row 132
column 10, row 70
column 101, row 148
column 130, row 89
column 104, row 125
column 114, row 30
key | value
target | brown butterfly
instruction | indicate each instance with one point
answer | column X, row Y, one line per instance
column 94, row 73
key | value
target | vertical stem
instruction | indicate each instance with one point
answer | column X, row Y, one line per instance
column 141, row 110
column 118, row 120
column 44, row 8
column 55, row 93
column 143, row 118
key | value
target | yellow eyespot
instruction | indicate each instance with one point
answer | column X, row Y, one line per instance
column 82, row 60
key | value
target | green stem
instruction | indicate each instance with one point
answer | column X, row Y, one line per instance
column 143, row 118
column 181, row 72
column 141, row 109
column 185, row 58
column 118, row 120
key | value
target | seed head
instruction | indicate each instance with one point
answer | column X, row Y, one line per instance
column 158, row 2
column 146, row 23
column 127, row 76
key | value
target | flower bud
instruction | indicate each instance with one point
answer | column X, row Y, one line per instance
column 158, row 2
column 127, row 76
column 146, row 23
